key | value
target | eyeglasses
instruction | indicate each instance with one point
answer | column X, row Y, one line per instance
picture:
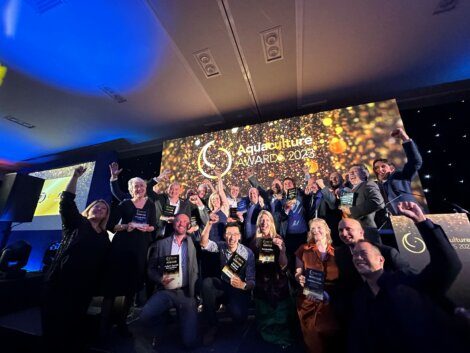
column 232, row 234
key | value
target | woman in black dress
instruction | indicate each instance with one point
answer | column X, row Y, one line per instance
column 76, row 272
column 134, row 222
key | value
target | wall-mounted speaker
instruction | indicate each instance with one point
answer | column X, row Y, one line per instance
column 19, row 196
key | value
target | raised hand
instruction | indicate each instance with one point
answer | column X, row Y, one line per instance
column 114, row 170
column 412, row 211
column 195, row 200
column 249, row 172
column 78, row 172
column 213, row 218
column 278, row 183
column 165, row 175
column 320, row 183
column 400, row 134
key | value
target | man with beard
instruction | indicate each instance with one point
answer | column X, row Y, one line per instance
column 176, row 293
column 395, row 184
column 367, row 199
column 237, row 286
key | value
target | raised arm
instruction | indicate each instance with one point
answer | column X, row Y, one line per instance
column 414, row 159
column 254, row 182
column 329, row 197
column 444, row 265
column 164, row 176
column 114, row 183
column 223, row 197
column 69, row 213
column 207, row 229
column 72, row 184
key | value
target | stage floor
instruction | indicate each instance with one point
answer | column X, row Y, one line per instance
column 20, row 332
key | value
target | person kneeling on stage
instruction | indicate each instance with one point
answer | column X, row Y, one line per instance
column 173, row 267
column 76, row 271
column 237, row 279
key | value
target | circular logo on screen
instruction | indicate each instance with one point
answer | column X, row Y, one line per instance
column 221, row 155
column 413, row 244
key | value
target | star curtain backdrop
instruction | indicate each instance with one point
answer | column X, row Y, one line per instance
column 324, row 142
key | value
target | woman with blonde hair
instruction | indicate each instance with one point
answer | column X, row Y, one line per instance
column 218, row 204
column 76, row 272
column 315, row 263
column 275, row 315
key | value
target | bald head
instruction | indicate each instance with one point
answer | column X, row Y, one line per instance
column 350, row 231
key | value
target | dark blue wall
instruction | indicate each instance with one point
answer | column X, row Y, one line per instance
column 99, row 189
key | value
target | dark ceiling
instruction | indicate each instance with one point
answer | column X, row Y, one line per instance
column 133, row 73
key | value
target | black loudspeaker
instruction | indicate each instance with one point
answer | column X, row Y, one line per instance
column 19, row 196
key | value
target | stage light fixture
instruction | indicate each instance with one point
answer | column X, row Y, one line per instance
column 13, row 258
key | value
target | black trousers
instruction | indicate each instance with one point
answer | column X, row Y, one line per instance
column 63, row 318
column 214, row 289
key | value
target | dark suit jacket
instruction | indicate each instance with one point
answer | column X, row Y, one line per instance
column 349, row 279
column 367, row 201
column 254, row 216
column 161, row 248
column 403, row 316
column 399, row 182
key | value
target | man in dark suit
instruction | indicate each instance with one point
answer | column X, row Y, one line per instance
column 171, row 293
column 395, row 184
column 395, row 311
column 254, row 204
column 367, row 197
column 321, row 202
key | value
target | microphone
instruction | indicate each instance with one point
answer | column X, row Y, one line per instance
column 387, row 211
column 412, row 193
column 456, row 207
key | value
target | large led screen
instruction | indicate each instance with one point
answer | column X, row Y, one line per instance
column 325, row 142
column 46, row 216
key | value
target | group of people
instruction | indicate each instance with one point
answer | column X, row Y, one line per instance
column 307, row 256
